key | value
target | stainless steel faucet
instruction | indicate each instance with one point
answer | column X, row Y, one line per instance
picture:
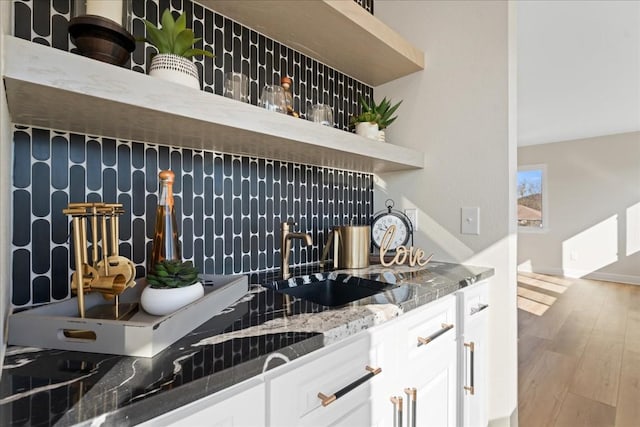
column 285, row 245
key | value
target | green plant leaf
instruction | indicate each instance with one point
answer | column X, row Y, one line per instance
column 189, row 53
column 157, row 38
column 181, row 23
column 183, row 42
column 168, row 24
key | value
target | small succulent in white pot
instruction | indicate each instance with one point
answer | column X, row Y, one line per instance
column 174, row 42
column 171, row 285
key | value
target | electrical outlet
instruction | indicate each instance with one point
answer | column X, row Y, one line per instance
column 412, row 214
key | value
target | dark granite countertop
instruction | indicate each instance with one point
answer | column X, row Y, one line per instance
column 54, row 387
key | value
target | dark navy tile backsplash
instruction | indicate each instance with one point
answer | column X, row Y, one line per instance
column 229, row 207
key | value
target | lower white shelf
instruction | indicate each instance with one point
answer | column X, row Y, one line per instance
column 49, row 88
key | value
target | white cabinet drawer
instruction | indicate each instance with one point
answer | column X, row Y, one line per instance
column 294, row 395
column 474, row 302
column 428, row 329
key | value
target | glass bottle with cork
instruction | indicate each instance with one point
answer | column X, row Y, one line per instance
column 165, row 237
column 286, row 84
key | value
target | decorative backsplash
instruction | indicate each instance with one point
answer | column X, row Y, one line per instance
column 236, row 48
column 229, row 207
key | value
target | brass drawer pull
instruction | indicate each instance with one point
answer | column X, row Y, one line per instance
column 327, row 400
column 472, row 350
column 433, row 336
column 397, row 411
column 478, row 308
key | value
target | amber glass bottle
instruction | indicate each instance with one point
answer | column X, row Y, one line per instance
column 286, row 83
column 165, row 237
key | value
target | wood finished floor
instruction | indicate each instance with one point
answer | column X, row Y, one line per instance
column 578, row 352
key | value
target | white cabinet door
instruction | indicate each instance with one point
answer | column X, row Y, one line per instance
column 429, row 349
column 239, row 406
column 293, row 394
column 473, row 354
column 383, row 352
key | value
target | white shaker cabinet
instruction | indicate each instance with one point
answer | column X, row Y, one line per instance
column 295, row 389
column 242, row 405
column 473, row 353
column 427, row 357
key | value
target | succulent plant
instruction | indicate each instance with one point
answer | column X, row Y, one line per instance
column 172, row 274
column 174, row 37
column 386, row 110
column 382, row 114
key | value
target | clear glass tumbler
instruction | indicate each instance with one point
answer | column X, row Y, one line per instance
column 273, row 98
column 321, row 113
column 236, row 86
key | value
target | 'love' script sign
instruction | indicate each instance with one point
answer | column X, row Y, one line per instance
column 414, row 255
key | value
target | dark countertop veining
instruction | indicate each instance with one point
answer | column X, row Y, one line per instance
column 42, row 387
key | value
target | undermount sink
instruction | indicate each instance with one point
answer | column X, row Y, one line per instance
column 331, row 292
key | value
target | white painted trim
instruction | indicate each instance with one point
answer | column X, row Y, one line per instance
column 583, row 274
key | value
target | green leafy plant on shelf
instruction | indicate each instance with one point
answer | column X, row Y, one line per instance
column 174, row 37
column 382, row 113
column 172, row 274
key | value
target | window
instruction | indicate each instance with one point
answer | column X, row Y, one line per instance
column 532, row 203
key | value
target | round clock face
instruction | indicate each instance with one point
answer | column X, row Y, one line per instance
column 380, row 226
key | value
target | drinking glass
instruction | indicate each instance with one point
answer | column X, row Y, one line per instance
column 273, row 99
column 321, row 113
column 236, row 86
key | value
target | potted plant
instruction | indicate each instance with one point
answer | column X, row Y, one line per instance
column 374, row 118
column 171, row 285
column 385, row 111
column 174, row 42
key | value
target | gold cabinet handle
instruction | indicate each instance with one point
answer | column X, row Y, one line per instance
column 329, row 399
column 412, row 401
column 433, row 336
column 472, row 350
column 397, row 411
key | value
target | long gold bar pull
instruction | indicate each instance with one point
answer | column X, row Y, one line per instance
column 412, row 400
column 397, row 411
column 104, row 240
column 433, row 336
column 472, row 350
column 79, row 245
column 328, row 399
column 94, row 236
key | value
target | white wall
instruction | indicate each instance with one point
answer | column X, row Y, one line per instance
column 5, row 187
column 593, row 193
column 457, row 111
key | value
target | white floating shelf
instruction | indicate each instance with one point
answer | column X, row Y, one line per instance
column 338, row 33
column 49, row 88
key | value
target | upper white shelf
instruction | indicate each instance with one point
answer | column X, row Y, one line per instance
column 51, row 88
column 338, row 33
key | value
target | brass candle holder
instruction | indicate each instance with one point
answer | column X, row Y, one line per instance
column 107, row 272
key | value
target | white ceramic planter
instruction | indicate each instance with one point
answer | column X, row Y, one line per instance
column 161, row 302
column 367, row 129
column 382, row 136
column 175, row 68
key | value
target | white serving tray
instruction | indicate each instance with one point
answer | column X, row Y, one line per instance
column 142, row 335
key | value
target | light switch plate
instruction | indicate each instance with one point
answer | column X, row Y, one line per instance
column 470, row 220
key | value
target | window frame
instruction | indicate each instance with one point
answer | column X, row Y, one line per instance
column 545, row 198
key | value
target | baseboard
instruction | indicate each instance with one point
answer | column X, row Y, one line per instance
column 581, row 274
column 510, row 421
